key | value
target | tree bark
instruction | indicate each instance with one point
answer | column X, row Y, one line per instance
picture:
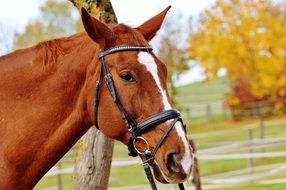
column 93, row 166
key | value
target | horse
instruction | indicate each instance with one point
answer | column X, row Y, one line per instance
column 48, row 101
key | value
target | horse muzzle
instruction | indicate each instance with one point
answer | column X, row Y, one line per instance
column 175, row 167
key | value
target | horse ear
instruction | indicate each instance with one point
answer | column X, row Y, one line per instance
column 150, row 27
column 97, row 30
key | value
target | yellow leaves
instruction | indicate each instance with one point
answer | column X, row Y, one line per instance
column 232, row 101
column 90, row 6
column 282, row 92
column 248, row 39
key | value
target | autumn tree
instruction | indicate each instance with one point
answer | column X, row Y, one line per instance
column 56, row 19
column 248, row 39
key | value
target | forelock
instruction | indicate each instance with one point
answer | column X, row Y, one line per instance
column 127, row 35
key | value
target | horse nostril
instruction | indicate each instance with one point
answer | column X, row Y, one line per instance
column 173, row 162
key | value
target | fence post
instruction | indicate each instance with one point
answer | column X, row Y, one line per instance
column 261, row 127
column 208, row 113
column 261, row 123
column 250, row 160
column 59, row 177
column 188, row 112
column 224, row 109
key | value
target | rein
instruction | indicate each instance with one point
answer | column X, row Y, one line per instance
column 136, row 129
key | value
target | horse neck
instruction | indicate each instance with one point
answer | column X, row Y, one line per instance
column 45, row 105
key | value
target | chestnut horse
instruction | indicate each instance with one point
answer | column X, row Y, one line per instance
column 47, row 94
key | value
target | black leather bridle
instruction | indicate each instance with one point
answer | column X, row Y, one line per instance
column 136, row 129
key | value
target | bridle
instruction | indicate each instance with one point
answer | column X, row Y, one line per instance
column 136, row 129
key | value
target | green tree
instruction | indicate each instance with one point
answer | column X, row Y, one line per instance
column 173, row 50
column 56, row 19
column 248, row 39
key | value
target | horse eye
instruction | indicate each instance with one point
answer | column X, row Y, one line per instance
column 126, row 76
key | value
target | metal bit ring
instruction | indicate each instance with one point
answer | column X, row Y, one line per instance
column 145, row 142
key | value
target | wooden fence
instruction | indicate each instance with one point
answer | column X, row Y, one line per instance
column 218, row 109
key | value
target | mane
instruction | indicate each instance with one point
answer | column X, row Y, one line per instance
column 50, row 51
column 53, row 50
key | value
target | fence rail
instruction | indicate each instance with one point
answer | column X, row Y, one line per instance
column 211, row 109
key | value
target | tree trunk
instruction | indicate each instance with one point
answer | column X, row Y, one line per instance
column 93, row 166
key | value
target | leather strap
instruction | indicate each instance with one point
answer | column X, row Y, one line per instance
column 164, row 136
column 155, row 120
column 125, row 48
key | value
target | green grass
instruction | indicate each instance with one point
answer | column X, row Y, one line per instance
column 52, row 181
column 256, row 187
column 204, row 100
column 215, row 88
column 127, row 176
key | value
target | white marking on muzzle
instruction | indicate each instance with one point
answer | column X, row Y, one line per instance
column 146, row 59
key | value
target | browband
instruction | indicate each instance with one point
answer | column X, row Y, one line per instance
column 124, row 48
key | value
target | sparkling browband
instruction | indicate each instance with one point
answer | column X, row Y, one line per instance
column 125, row 48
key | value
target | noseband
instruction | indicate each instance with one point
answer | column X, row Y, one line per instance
column 136, row 129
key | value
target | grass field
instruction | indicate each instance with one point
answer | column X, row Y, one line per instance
column 207, row 134
column 204, row 100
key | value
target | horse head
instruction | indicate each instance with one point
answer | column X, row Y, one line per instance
column 140, row 82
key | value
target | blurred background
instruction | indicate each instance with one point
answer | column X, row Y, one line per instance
column 227, row 75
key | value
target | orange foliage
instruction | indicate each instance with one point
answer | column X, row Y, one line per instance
column 248, row 39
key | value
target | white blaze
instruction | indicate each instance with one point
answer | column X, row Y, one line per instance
column 146, row 59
